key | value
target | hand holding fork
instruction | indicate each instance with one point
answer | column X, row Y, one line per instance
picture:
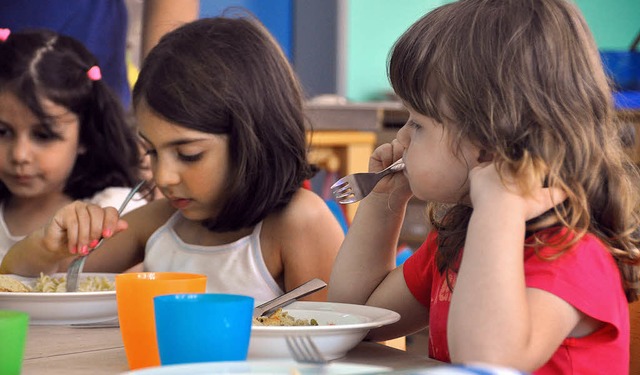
column 76, row 266
column 355, row 187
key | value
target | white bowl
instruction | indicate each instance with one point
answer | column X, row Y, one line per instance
column 340, row 327
column 63, row 308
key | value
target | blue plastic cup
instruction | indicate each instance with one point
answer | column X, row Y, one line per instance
column 203, row 327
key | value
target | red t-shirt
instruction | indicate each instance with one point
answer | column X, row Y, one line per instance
column 586, row 276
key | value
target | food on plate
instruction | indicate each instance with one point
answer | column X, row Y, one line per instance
column 282, row 318
column 55, row 284
column 9, row 284
column 58, row 284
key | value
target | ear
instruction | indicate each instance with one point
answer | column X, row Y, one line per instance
column 82, row 150
column 485, row 156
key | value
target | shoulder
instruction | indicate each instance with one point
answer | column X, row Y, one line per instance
column 587, row 254
column 585, row 275
column 305, row 210
column 305, row 223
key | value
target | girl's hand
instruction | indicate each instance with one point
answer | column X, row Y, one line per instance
column 488, row 191
column 395, row 184
column 78, row 227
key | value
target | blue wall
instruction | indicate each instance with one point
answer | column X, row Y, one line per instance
column 276, row 15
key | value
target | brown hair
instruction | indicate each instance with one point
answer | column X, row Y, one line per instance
column 41, row 64
column 523, row 80
column 229, row 76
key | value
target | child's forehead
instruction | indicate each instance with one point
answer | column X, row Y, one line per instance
column 157, row 129
column 431, row 103
column 149, row 121
column 160, row 132
column 166, row 131
column 13, row 105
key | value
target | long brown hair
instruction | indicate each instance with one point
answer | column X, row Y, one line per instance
column 229, row 76
column 522, row 79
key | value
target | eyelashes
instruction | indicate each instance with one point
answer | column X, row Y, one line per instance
column 190, row 158
column 187, row 158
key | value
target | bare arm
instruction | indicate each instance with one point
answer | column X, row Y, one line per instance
column 28, row 257
column 69, row 233
column 127, row 248
column 368, row 252
column 510, row 324
column 161, row 16
column 309, row 237
column 365, row 272
column 74, row 227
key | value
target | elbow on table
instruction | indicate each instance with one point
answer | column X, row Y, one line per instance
column 485, row 354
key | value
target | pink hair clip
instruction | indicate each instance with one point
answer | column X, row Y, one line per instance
column 94, row 73
column 4, row 34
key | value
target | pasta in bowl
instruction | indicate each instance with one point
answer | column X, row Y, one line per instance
column 48, row 303
column 338, row 328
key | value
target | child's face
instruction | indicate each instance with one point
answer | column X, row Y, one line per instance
column 189, row 167
column 36, row 162
column 434, row 172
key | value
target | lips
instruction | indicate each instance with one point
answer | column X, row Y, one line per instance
column 180, row 203
column 23, row 178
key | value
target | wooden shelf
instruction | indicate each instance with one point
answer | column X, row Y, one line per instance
column 353, row 148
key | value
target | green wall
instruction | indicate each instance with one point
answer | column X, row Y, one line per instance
column 614, row 23
column 373, row 26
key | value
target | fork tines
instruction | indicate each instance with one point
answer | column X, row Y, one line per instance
column 342, row 191
column 304, row 350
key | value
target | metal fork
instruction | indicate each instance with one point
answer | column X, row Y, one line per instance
column 354, row 187
column 304, row 350
column 76, row 266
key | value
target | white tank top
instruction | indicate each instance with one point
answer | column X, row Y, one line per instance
column 236, row 268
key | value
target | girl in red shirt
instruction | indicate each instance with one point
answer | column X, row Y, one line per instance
column 511, row 138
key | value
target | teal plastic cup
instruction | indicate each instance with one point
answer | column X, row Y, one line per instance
column 13, row 331
column 203, row 327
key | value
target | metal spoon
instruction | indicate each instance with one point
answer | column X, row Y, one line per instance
column 289, row 297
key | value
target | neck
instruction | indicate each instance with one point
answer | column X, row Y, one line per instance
column 24, row 215
column 42, row 203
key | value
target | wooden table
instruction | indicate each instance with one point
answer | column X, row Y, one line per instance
column 56, row 350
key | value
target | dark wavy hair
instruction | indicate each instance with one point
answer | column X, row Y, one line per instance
column 522, row 79
column 38, row 64
column 229, row 76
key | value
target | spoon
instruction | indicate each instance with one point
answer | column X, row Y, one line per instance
column 287, row 298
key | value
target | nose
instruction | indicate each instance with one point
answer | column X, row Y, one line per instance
column 403, row 135
column 165, row 174
column 21, row 150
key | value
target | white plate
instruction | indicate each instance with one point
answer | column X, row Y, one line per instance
column 341, row 327
column 258, row 367
column 477, row 369
column 63, row 308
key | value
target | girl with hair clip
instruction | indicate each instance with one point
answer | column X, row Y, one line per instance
column 63, row 133
column 220, row 113
column 534, row 205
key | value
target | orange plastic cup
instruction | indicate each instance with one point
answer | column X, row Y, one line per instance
column 134, row 295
